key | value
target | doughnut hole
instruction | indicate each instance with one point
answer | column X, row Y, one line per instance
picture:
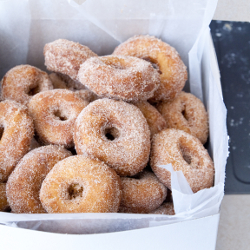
column 33, row 90
column 1, row 131
column 60, row 114
column 111, row 133
column 154, row 63
column 75, row 190
column 184, row 112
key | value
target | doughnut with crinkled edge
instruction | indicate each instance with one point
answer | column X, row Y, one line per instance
column 79, row 184
column 24, row 183
column 186, row 153
column 4, row 205
column 166, row 208
column 22, row 82
column 63, row 56
column 115, row 132
column 173, row 72
column 141, row 194
column 186, row 112
column 155, row 120
column 119, row 77
column 54, row 113
column 16, row 132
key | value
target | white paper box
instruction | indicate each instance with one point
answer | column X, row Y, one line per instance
column 183, row 24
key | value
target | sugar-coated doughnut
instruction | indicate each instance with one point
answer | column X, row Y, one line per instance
column 4, row 205
column 22, row 82
column 115, row 132
column 186, row 112
column 16, row 132
column 186, row 153
column 54, row 113
column 155, row 120
column 141, row 194
column 119, row 77
column 173, row 72
column 79, row 184
column 24, row 183
column 63, row 56
column 166, row 208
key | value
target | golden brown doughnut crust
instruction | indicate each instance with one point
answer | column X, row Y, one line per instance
column 173, row 72
column 186, row 112
column 4, row 205
column 155, row 120
column 63, row 56
column 186, row 153
column 142, row 194
column 166, row 208
column 79, row 184
column 16, row 132
column 128, row 150
column 119, row 77
column 24, row 183
column 22, row 82
column 54, row 113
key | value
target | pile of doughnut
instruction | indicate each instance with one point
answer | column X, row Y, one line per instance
column 91, row 137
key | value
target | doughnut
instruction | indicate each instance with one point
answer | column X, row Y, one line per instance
column 54, row 113
column 4, row 205
column 186, row 112
column 120, row 77
column 141, row 194
column 116, row 133
column 63, row 56
column 22, row 82
column 24, row 183
column 186, row 153
column 79, row 184
column 173, row 72
column 166, row 208
column 155, row 120
column 16, row 132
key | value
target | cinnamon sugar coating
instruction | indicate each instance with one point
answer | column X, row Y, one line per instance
column 114, row 132
column 80, row 184
column 4, row 205
column 186, row 112
column 142, row 194
column 24, row 184
column 63, row 56
column 119, row 77
column 166, row 208
column 54, row 113
column 173, row 72
column 16, row 132
column 186, row 153
column 22, row 82
column 155, row 120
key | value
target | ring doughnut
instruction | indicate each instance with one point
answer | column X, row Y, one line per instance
column 173, row 73
column 63, row 56
column 186, row 112
column 79, row 184
column 4, row 205
column 186, row 153
column 16, row 132
column 54, row 113
column 116, row 133
column 155, row 120
column 142, row 194
column 119, row 77
column 22, row 82
column 166, row 208
column 24, row 183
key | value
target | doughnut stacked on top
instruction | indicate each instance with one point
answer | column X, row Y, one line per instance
column 90, row 126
